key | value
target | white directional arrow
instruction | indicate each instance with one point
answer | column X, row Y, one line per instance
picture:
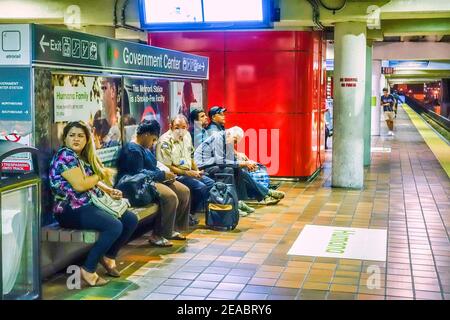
column 43, row 43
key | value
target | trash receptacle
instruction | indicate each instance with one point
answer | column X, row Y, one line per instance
column 20, row 223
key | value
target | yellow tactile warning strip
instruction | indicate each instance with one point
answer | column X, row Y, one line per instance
column 439, row 147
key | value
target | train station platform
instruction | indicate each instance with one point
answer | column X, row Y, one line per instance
column 407, row 193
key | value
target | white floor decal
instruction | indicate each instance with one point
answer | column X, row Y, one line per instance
column 339, row 242
column 380, row 150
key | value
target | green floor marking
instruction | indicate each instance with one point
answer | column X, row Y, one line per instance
column 439, row 148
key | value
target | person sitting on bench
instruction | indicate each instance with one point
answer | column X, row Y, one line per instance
column 174, row 150
column 75, row 173
column 136, row 157
column 257, row 170
column 219, row 151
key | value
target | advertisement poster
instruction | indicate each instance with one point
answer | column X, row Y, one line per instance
column 186, row 96
column 144, row 99
column 95, row 100
column 15, row 114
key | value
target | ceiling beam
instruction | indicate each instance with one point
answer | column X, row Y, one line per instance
column 414, row 27
column 440, row 75
column 407, row 80
column 411, row 51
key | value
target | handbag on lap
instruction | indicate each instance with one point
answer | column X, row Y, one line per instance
column 114, row 207
column 139, row 189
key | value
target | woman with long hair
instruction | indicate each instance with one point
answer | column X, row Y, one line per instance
column 76, row 173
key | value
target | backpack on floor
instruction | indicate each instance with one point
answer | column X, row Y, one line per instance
column 222, row 211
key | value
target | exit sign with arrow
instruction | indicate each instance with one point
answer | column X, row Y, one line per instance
column 43, row 44
column 65, row 47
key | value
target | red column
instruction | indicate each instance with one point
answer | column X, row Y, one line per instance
column 273, row 86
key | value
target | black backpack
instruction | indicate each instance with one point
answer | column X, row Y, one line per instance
column 139, row 189
column 222, row 211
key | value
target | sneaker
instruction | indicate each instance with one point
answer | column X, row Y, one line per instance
column 389, row 133
column 245, row 207
column 274, row 185
column 276, row 194
column 160, row 242
column 193, row 221
column 177, row 236
column 243, row 213
column 268, row 200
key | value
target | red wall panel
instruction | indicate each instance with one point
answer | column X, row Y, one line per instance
column 215, row 88
column 304, row 82
column 261, row 82
column 273, row 135
column 216, row 94
column 261, row 41
column 303, row 40
column 267, row 80
column 306, row 155
column 188, row 41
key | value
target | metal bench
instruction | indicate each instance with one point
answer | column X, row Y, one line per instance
column 61, row 247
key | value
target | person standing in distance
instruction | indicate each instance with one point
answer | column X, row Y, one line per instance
column 388, row 102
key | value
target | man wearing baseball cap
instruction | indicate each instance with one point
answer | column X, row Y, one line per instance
column 217, row 120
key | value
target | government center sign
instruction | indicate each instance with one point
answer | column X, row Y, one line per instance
column 54, row 46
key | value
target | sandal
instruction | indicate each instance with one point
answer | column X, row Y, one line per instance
column 113, row 272
column 96, row 282
column 161, row 242
column 268, row 201
column 177, row 236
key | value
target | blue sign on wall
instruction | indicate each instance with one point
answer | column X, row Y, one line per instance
column 15, row 96
column 408, row 64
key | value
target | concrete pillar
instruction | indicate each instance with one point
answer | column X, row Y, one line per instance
column 376, row 109
column 348, row 118
column 368, row 105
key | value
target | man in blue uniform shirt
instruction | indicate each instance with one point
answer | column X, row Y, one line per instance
column 217, row 117
column 198, row 124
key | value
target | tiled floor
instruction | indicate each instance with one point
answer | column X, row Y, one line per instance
column 406, row 192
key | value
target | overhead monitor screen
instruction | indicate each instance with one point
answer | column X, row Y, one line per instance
column 173, row 11
column 233, row 10
column 205, row 14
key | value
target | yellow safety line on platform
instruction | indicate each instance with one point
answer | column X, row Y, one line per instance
column 440, row 149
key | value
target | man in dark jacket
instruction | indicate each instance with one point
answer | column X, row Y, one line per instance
column 135, row 157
